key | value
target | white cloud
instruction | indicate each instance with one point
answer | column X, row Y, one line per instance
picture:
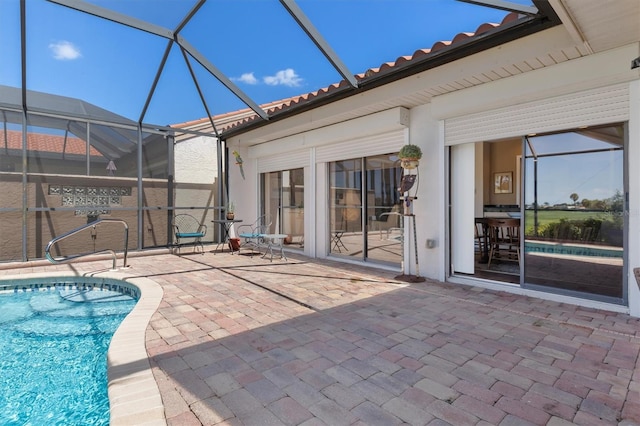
column 247, row 78
column 286, row 77
column 64, row 51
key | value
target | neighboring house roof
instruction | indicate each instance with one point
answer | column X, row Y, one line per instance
column 229, row 119
column 59, row 144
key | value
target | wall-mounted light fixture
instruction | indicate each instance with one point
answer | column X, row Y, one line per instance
column 635, row 63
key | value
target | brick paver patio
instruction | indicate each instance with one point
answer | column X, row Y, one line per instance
column 245, row 341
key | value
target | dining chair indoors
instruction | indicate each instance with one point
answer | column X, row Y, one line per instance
column 504, row 240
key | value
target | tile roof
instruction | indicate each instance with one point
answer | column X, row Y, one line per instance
column 12, row 140
column 243, row 117
column 229, row 118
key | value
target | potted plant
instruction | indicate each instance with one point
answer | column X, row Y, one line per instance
column 409, row 156
column 231, row 209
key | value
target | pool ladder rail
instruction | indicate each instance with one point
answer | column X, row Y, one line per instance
column 93, row 226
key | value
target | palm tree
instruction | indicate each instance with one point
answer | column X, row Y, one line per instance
column 574, row 197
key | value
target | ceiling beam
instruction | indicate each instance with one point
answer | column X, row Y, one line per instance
column 570, row 24
column 172, row 36
column 115, row 17
column 152, row 90
column 298, row 15
column 220, row 76
column 189, row 15
column 202, row 99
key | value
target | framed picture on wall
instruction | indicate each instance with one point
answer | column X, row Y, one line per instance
column 503, row 183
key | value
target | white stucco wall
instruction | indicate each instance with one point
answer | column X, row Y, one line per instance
column 195, row 160
column 424, row 131
column 426, row 128
column 244, row 192
column 196, row 175
column 520, row 104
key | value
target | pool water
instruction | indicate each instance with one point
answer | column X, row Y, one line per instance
column 53, row 355
column 572, row 249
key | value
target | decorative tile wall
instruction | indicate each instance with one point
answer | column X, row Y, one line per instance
column 99, row 198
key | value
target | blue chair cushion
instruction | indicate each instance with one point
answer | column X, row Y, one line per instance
column 190, row 234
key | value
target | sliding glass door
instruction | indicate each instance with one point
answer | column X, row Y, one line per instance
column 574, row 211
column 283, row 201
column 484, row 185
column 345, row 208
column 385, row 230
column 565, row 191
column 365, row 209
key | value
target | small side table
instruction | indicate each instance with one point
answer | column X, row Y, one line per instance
column 274, row 240
column 226, row 227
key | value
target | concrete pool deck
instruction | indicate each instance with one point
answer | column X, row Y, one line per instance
column 243, row 341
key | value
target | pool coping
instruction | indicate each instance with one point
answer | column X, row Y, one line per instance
column 134, row 396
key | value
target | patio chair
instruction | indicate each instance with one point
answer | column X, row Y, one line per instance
column 392, row 218
column 188, row 230
column 388, row 222
column 253, row 235
column 504, row 240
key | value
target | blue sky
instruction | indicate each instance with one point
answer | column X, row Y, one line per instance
column 253, row 42
column 591, row 175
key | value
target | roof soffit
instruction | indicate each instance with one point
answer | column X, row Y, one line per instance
column 600, row 25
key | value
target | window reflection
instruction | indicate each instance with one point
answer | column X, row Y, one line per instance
column 365, row 209
column 574, row 211
column 283, row 200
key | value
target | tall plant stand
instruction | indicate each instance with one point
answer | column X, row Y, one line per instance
column 409, row 277
column 408, row 180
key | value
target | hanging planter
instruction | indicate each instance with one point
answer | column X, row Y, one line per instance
column 409, row 163
column 410, row 156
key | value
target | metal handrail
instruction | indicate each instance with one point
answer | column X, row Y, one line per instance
column 64, row 259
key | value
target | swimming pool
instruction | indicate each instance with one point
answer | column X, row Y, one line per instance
column 54, row 335
column 531, row 246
